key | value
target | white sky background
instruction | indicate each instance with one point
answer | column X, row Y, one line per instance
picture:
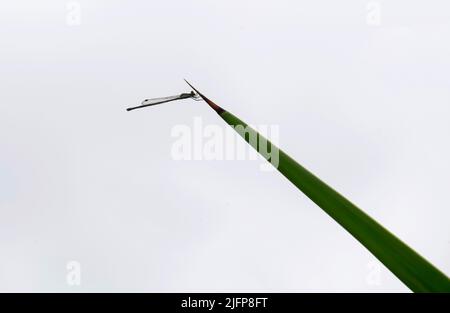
column 82, row 179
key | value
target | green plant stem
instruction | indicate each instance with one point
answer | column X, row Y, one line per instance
column 411, row 268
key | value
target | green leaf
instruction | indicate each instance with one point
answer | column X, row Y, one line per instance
column 412, row 269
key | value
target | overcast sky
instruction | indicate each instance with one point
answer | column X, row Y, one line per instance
column 359, row 91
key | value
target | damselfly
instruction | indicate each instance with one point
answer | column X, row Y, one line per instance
column 155, row 101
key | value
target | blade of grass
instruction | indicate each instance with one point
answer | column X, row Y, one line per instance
column 411, row 268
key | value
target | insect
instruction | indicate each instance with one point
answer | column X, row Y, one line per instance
column 155, row 101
